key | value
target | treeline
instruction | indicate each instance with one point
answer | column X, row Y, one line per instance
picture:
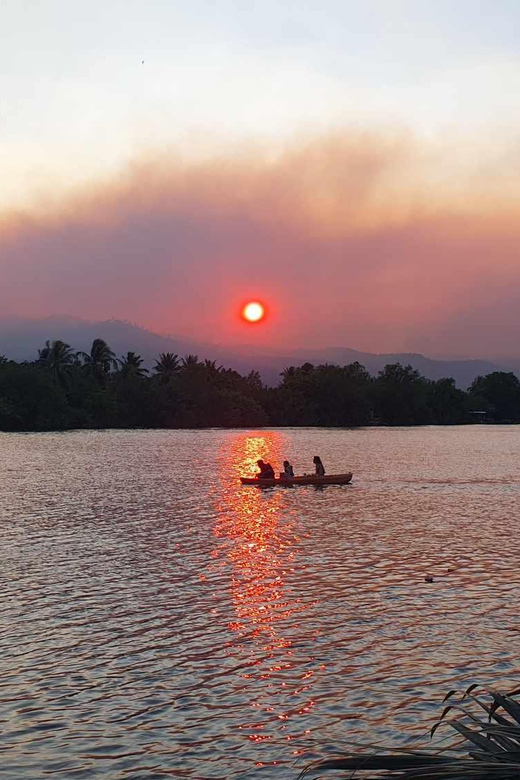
column 64, row 389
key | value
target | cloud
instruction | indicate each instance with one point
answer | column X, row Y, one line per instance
column 378, row 241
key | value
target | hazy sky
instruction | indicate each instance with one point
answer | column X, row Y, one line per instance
column 354, row 164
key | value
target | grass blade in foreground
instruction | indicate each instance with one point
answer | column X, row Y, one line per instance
column 492, row 744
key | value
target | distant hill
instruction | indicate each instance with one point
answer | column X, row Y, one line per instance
column 20, row 340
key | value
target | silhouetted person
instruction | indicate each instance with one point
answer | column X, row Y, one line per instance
column 266, row 470
column 288, row 470
column 320, row 468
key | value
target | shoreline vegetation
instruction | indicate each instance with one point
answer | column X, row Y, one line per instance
column 63, row 390
column 487, row 724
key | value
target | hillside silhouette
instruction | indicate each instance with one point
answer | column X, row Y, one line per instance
column 21, row 338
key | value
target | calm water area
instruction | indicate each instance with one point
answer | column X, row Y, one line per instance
column 157, row 619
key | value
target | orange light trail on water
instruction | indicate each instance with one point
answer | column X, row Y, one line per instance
column 258, row 542
column 250, row 519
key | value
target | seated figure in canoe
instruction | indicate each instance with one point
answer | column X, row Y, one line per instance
column 320, row 468
column 288, row 470
column 266, row 470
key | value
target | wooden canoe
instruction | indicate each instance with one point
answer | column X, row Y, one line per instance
column 306, row 479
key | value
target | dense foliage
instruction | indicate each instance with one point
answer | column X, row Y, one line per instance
column 64, row 389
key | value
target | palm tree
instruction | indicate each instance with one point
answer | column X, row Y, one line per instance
column 131, row 366
column 213, row 371
column 254, row 380
column 493, row 744
column 167, row 365
column 288, row 373
column 101, row 359
column 211, row 365
column 190, row 360
column 58, row 357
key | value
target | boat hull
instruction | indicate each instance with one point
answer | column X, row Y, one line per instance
column 307, row 479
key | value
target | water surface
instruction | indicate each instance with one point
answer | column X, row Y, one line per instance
column 159, row 619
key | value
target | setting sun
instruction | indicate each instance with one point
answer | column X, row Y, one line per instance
column 253, row 312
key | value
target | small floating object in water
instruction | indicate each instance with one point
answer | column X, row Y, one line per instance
column 428, row 579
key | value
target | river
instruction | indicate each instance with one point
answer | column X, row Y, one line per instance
column 159, row 619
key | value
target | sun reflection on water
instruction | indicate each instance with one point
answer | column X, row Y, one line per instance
column 257, row 535
column 261, row 551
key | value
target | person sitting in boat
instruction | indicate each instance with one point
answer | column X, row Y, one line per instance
column 288, row 470
column 320, row 468
column 266, row 470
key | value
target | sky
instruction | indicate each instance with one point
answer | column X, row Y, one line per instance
column 354, row 165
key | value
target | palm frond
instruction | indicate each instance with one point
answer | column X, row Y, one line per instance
column 492, row 744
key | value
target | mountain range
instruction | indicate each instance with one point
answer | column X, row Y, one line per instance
column 20, row 340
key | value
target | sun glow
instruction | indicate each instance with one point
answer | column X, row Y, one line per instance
column 253, row 312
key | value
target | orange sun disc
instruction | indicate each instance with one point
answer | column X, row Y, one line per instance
column 253, row 312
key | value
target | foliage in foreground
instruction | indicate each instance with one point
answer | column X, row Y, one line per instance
column 489, row 724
